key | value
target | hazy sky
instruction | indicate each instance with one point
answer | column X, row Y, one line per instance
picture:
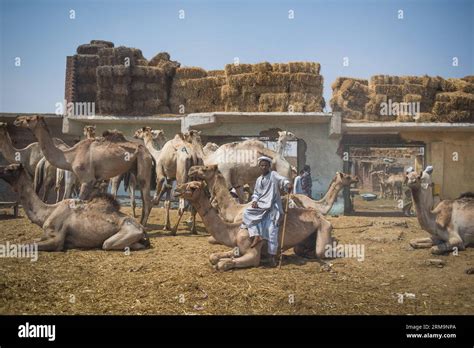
column 369, row 33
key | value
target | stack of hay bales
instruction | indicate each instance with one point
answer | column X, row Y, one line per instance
column 350, row 97
column 441, row 100
column 121, row 56
column 94, row 46
column 114, row 89
column 193, row 90
column 296, row 86
column 86, row 77
column 149, row 91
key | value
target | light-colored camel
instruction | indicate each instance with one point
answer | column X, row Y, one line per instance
column 28, row 156
column 450, row 224
column 237, row 162
column 381, row 176
column 231, row 211
column 307, row 231
column 209, row 148
column 94, row 160
column 45, row 177
column 283, row 138
column 74, row 223
column 173, row 162
column 394, row 183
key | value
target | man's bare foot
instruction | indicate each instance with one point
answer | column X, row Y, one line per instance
column 255, row 240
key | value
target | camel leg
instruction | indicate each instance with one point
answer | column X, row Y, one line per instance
column 132, row 200
column 69, row 181
column 215, row 257
column 128, row 236
column 251, row 258
column 323, row 238
column 144, row 164
column 454, row 241
column 167, row 218
column 86, row 189
column 193, row 226
column 53, row 240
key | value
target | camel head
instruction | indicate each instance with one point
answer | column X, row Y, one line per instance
column 190, row 190
column 11, row 173
column 413, row 180
column 210, row 148
column 158, row 134
column 193, row 136
column 286, row 136
column 89, row 132
column 30, row 122
column 3, row 130
column 202, row 172
column 346, row 179
column 155, row 134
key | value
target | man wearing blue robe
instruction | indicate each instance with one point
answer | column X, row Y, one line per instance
column 262, row 219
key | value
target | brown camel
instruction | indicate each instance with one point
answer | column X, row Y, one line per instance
column 231, row 211
column 450, row 224
column 307, row 231
column 237, row 162
column 94, row 160
column 69, row 224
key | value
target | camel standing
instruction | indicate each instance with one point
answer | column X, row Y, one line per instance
column 303, row 225
column 450, row 224
column 237, row 161
column 73, row 223
column 94, row 160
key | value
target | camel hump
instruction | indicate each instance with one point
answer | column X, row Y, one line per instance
column 106, row 201
column 469, row 195
column 113, row 135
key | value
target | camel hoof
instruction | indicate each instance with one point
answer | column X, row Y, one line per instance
column 213, row 259
column 225, row 265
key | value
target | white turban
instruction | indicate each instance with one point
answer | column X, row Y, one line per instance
column 264, row 158
column 409, row 170
column 429, row 169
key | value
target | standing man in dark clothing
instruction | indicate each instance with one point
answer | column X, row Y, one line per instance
column 306, row 182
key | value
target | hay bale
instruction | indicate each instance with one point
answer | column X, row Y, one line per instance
column 412, row 98
column 410, row 88
column 304, row 67
column 262, row 67
column 237, row 69
column 120, row 55
column 216, row 73
column 280, row 67
column 269, row 102
column 190, row 73
column 391, row 90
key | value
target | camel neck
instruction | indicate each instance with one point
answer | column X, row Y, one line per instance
column 36, row 210
column 53, row 154
column 281, row 147
column 330, row 197
column 8, row 150
column 423, row 201
column 224, row 233
column 219, row 187
column 151, row 147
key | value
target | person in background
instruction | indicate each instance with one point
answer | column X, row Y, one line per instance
column 306, row 181
column 297, row 183
column 407, row 198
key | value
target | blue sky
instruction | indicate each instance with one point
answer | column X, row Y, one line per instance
column 368, row 32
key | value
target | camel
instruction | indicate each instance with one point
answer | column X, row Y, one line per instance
column 450, row 224
column 93, row 160
column 383, row 186
column 209, row 148
column 46, row 177
column 172, row 164
column 231, row 211
column 237, row 161
column 307, row 232
column 28, row 156
column 70, row 224
column 394, row 182
column 283, row 138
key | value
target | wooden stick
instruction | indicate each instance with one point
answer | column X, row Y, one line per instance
column 284, row 229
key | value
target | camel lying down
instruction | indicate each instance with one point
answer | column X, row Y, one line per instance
column 307, row 231
column 450, row 223
column 74, row 223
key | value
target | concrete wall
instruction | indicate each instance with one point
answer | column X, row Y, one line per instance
column 452, row 176
column 320, row 153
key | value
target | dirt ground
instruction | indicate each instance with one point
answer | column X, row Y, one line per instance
column 175, row 276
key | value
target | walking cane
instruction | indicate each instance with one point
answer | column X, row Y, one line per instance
column 284, row 229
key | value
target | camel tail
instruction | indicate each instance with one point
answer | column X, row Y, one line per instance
column 39, row 175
